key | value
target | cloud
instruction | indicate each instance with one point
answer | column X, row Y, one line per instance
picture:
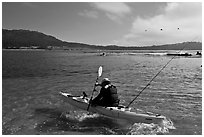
column 88, row 13
column 113, row 10
column 179, row 22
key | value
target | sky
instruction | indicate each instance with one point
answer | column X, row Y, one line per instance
column 108, row 23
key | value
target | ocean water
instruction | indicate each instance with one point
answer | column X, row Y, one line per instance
column 32, row 80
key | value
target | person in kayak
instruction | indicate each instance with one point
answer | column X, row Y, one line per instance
column 108, row 96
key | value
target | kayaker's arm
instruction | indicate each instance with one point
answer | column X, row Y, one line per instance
column 97, row 84
column 97, row 99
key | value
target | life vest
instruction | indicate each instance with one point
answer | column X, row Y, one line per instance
column 110, row 96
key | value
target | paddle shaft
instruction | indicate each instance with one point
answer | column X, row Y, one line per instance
column 92, row 94
column 99, row 74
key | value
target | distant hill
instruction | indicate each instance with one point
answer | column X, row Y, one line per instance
column 26, row 38
column 33, row 39
column 177, row 46
column 15, row 39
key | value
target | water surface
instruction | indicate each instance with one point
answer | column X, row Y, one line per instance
column 31, row 81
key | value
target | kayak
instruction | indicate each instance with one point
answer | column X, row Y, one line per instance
column 120, row 112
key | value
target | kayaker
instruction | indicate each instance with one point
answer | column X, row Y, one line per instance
column 108, row 95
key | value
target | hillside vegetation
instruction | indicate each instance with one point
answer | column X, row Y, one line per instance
column 16, row 39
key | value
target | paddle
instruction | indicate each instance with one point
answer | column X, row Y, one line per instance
column 99, row 74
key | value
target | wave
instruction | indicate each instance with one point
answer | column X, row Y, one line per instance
column 90, row 122
column 137, row 53
column 151, row 129
column 156, row 54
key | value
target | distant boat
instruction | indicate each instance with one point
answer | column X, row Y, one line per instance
column 198, row 53
column 103, row 54
column 179, row 54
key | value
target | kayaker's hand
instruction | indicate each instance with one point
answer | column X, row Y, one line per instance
column 97, row 84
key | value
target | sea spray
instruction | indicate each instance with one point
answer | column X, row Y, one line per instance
column 151, row 129
column 78, row 115
column 90, row 122
column 84, row 116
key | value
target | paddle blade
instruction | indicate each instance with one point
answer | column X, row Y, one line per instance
column 100, row 71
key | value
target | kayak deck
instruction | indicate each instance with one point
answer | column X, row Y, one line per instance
column 120, row 112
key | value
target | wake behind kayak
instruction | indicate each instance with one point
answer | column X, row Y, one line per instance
column 120, row 112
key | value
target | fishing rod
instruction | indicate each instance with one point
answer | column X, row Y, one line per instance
column 155, row 76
